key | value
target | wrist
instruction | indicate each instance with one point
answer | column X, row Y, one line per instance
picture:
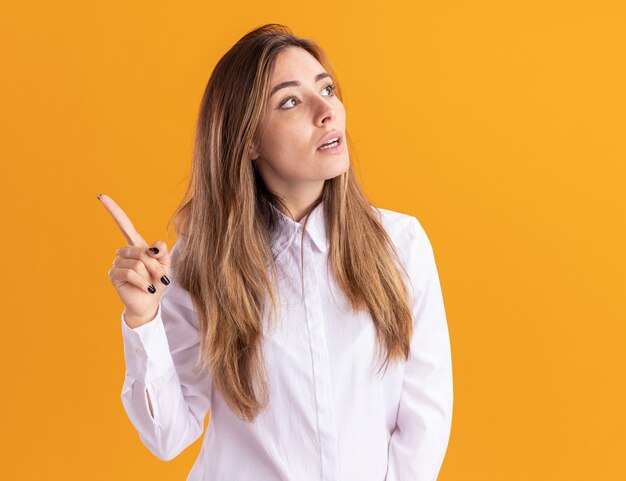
column 134, row 321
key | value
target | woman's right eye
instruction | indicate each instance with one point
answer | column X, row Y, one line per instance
column 285, row 101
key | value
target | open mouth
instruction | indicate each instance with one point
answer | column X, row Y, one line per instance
column 331, row 145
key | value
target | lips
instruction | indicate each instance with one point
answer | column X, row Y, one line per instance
column 335, row 134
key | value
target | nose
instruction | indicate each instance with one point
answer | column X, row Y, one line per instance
column 326, row 111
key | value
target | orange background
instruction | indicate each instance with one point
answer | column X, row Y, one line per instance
column 500, row 125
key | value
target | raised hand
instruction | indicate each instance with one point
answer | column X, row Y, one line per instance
column 140, row 272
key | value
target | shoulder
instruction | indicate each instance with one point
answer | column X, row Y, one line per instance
column 409, row 238
column 404, row 229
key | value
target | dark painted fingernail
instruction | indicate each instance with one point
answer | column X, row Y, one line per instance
column 165, row 280
column 154, row 250
column 151, row 289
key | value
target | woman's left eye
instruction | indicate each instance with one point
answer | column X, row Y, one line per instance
column 329, row 86
column 332, row 88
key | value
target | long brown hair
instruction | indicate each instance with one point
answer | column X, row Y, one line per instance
column 225, row 223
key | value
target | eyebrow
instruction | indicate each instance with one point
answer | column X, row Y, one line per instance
column 295, row 83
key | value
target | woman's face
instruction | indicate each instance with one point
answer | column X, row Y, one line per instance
column 296, row 121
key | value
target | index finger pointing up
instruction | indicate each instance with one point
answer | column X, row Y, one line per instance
column 126, row 226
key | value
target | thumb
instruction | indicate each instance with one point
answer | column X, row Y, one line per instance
column 159, row 251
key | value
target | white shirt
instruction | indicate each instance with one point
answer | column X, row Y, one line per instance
column 330, row 417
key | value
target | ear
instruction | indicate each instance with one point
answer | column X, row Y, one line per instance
column 253, row 154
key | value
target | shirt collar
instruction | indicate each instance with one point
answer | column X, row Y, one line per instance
column 287, row 229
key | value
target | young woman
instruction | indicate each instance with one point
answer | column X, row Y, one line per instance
column 284, row 288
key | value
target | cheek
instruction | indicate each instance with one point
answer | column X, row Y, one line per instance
column 284, row 141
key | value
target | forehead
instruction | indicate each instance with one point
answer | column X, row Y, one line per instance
column 295, row 63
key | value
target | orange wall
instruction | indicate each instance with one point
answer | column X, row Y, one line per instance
column 500, row 125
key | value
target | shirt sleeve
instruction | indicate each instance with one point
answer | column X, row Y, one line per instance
column 419, row 441
column 160, row 361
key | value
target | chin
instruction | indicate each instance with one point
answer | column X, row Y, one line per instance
column 337, row 169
